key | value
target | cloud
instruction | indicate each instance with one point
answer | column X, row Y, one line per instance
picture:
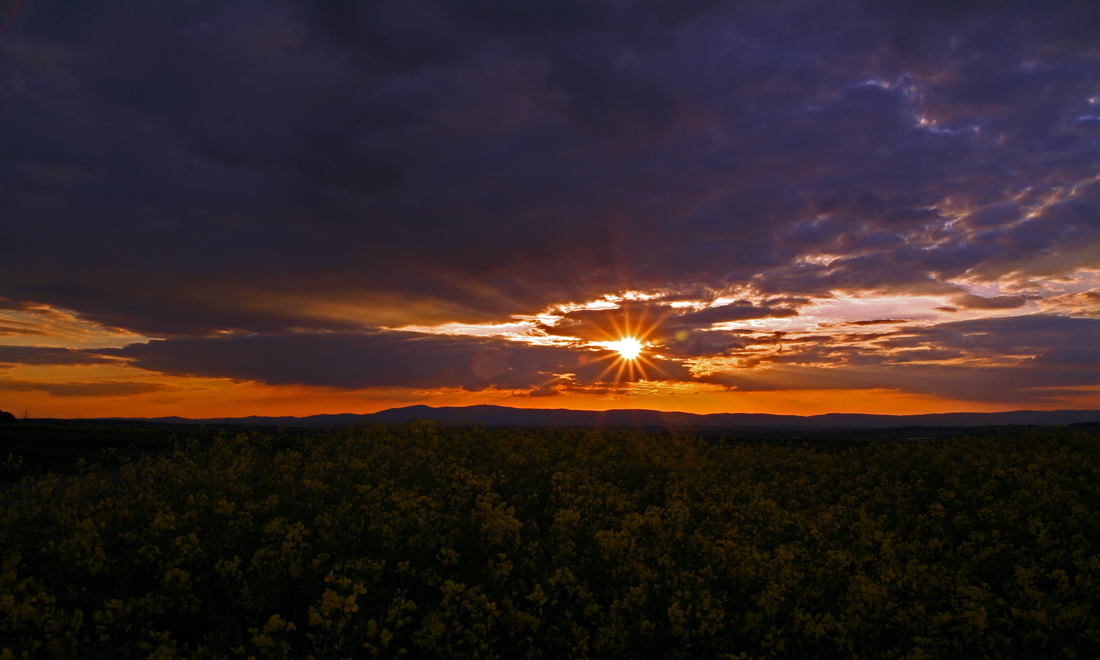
column 377, row 359
column 302, row 175
column 971, row 301
column 109, row 388
column 741, row 310
column 875, row 322
column 657, row 322
column 504, row 159
column 1026, row 358
column 33, row 355
column 1084, row 303
column 17, row 329
column 1033, row 358
column 1017, row 359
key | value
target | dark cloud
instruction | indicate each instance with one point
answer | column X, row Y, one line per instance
column 17, row 329
column 971, row 301
column 504, row 158
column 36, row 355
column 1018, row 359
column 94, row 388
column 1002, row 336
column 379, row 359
column 702, row 343
column 994, row 215
column 296, row 172
column 875, row 322
column 658, row 323
column 737, row 311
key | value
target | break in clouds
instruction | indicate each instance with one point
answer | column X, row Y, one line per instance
column 271, row 191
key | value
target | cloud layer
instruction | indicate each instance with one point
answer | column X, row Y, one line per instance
column 271, row 188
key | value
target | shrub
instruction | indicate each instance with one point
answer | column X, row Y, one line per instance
column 428, row 541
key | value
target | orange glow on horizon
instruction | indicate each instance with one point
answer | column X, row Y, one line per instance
column 218, row 397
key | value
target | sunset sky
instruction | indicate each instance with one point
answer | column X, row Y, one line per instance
column 228, row 208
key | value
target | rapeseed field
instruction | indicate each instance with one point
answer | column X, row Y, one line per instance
column 428, row 541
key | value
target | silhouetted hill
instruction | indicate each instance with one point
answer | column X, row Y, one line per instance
column 504, row 416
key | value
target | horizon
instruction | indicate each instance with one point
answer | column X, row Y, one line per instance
column 228, row 209
column 493, row 414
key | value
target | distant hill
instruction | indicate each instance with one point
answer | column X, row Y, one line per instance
column 504, row 416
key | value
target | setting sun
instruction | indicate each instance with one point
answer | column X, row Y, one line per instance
column 628, row 348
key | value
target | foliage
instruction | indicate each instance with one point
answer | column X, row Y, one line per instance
column 428, row 541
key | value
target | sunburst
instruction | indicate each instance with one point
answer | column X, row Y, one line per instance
column 629, row 343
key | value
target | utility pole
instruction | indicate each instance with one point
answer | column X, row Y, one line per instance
column 24, row 413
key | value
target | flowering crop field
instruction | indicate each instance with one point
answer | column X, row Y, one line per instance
column 429, row 541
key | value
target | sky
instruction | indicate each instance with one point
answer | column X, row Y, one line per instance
column 287, row 207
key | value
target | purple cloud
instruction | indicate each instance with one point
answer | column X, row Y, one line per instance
column 303, row 175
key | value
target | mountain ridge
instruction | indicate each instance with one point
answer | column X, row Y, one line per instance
column 491, row 415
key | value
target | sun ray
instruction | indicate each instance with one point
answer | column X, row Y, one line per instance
column 628, row 338
column 611, row 365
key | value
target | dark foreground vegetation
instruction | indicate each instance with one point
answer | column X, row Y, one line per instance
column 427, row 541
column 37, row 448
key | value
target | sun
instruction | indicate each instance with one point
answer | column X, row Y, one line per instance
column 628, row 347
column 629, row 350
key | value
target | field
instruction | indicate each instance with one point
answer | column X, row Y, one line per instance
column 428, row 541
